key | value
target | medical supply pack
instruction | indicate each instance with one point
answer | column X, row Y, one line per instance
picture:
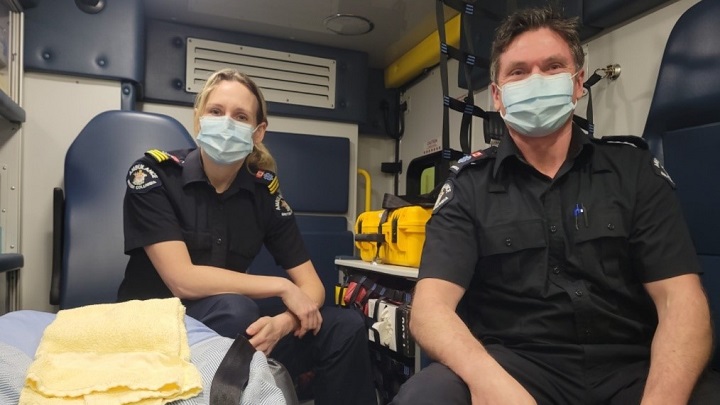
column 392, row 235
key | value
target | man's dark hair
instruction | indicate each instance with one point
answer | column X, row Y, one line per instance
column 531, row 19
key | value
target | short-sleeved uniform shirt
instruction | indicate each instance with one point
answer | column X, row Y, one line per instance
column 563, row 260
column 169, row 198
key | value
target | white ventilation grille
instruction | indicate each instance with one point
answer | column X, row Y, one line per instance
column 283, row 77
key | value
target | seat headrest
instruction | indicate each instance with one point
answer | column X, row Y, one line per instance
column 687, row 93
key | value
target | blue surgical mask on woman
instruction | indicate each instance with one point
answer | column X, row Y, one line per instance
column 539, row 105
column 225, row 140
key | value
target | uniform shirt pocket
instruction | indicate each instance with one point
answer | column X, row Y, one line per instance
column 506, row 249
column 604, row 241
column 606, row 222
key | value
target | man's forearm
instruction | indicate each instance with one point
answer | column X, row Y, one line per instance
column 447, row 339
column 680, row 351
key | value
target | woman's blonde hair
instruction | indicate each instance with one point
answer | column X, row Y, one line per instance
column 260, row 157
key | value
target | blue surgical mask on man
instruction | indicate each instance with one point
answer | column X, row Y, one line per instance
column 225, row 140
column 539, row 105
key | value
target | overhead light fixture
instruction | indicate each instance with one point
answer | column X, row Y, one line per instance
column 348, row 24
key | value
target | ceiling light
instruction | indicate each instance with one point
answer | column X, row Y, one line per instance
column 348, row 24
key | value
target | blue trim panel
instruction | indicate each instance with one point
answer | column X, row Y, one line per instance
column 60, row 38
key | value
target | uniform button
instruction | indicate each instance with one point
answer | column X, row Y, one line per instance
column 508, row 242
column 579, row 293
column 611, row 227
column 587, row 332
column 556, row 270
column 553, row 228
column 219, row 241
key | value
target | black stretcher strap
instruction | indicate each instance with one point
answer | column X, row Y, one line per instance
column 233, row 373
column 371, row 287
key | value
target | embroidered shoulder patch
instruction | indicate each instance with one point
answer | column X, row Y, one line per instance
column 282, row 208
column 141, row 178
column 470, row 159
column 660, row 171
column 161, row 156
column 268, row 178
column 446, row 194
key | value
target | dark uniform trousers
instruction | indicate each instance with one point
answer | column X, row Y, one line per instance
column 552, row 378
column 338, row 354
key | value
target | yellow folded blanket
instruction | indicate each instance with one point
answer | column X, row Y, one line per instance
column 134, row 352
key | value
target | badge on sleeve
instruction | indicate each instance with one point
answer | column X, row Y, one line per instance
column 282, row 207
column 268, row 178
column 446, row 194
column 660, row 171
column 141, row 178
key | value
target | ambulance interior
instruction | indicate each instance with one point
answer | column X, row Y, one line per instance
column 355, row 98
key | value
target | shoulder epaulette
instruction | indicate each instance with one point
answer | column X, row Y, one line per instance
column 269, row 179
column 470, row 159
column 635, row 141
column 161, row 156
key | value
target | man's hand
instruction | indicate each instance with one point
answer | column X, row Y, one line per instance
column 499, row 388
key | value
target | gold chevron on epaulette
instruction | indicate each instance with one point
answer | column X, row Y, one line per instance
column 161, row 156
column 274, row 185
column 268, row 178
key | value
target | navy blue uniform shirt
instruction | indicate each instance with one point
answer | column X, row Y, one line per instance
column 558, row 261
column 169, row 198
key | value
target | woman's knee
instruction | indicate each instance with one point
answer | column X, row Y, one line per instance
column 227, row 314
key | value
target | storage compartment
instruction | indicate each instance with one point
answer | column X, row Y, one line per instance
column 391, row 326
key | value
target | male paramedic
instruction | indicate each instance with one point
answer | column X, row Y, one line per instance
column 557, row 269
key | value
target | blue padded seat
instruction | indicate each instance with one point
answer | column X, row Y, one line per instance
column 313, row 170
column 683, row 130
column 314, row 173
column 325, row 238
column 92, row 262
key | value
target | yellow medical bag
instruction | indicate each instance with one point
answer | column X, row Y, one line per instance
column 392, row 236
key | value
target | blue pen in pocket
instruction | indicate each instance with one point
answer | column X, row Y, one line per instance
column 580, row 211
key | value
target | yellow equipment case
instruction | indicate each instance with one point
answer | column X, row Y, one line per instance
column 392, row 236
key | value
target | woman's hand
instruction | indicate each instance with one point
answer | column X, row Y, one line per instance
column 305, row 309
column 267, row 331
